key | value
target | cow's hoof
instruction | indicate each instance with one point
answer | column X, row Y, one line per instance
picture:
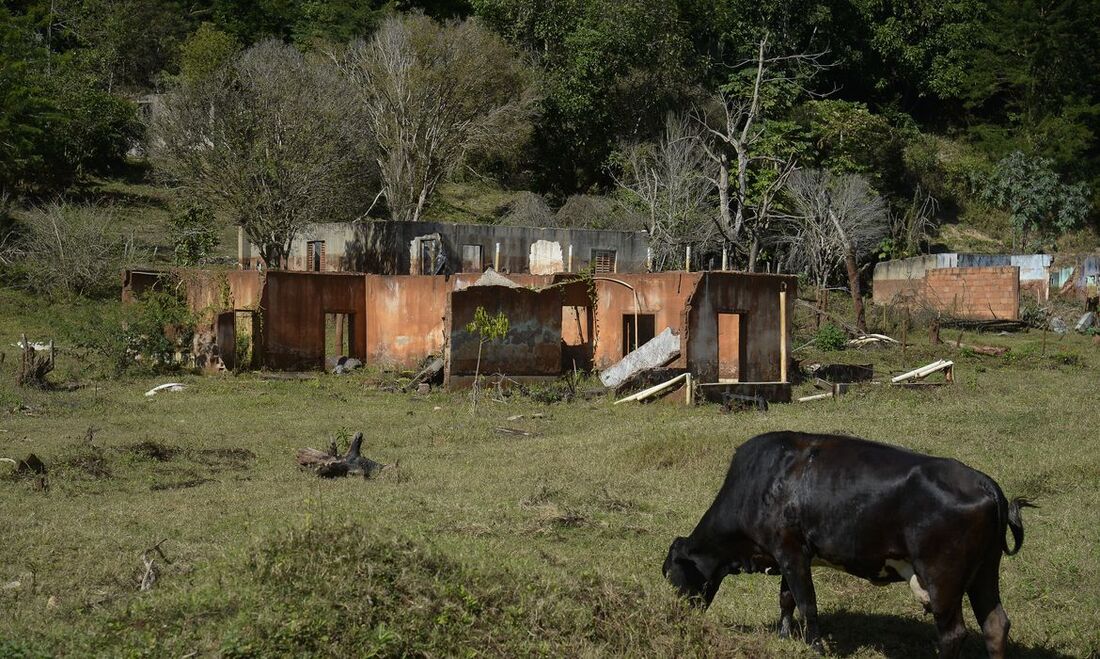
column 818, row 647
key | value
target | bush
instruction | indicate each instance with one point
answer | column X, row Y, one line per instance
column 194, row 235
column 830, row 338
column 72, row 250
column 140, row 337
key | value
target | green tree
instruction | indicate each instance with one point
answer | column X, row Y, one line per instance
column 194, row 235
column 26, row 109
column 1036, row 199
column 488, row 328
column 272, row 140
column 205, row 51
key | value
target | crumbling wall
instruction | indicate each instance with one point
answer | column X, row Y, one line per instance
column 901, row 281
column 294, row 306
column 405, row 318
column 387, row 247
column 978, row 293
column 663, row 294
column 532, row 346
column 755, row 297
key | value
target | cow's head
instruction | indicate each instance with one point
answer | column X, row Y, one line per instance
column 695, row 574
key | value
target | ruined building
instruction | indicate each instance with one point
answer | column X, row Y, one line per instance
column 734, row 328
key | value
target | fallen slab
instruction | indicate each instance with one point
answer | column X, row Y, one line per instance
column 652, row 354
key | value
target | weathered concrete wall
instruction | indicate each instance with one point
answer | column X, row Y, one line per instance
column 214, row 291
column 386, row 247
column 663, row 294
column 894, row 281
column 900, row 280
column 1077, row 277
column 406, row 313
column 294, row 306
column 405, row 318
column 981, row 293
column 756, row 298
column 532, row 346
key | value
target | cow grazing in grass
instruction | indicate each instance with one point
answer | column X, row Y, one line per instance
column 792, row 500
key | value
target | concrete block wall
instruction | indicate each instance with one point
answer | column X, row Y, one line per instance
column 980, row 293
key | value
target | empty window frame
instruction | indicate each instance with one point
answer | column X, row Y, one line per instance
column 471, row 258
column 645, row 331
column 315, row 255
column 603, row 261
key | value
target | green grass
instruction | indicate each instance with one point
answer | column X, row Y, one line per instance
column 482, row 542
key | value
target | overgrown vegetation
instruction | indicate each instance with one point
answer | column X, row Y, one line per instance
column 687, row 119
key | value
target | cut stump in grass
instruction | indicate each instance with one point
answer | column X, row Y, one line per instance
column 331, row 465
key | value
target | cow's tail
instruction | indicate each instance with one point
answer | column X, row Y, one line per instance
column 1015, row 523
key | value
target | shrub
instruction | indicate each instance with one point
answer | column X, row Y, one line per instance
column 194, row 235
column 73, row 250
column 830, row 338
column 142, row 336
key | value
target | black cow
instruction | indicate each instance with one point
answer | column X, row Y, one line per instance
column 792, row 500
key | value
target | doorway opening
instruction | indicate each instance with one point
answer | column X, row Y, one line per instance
column 729, row 347
column 338, row 337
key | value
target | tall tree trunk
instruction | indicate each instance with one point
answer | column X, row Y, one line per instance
column 724, row 197
column 754, row 252
column 853, row 285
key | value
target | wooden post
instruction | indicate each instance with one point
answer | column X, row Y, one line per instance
column 904, row 333
column 339, row 320
column 783, row 333
column 569, row 266
column 725, row 259
column 687, row 260
column 496, row 258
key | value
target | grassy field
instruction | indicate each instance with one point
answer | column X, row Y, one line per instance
column 487, row 543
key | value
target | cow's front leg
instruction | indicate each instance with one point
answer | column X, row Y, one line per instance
column 796, row 573
column 786, row 609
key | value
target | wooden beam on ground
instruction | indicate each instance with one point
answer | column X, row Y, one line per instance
column 646, row 393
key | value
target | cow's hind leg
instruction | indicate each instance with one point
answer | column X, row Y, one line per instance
column 796, row 573
column 985, row 599
column 945, row 593
column 786, row 609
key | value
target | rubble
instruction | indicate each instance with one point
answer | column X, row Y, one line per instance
column 345, row 365
column 1058, row 326
column 1086, row 322
column 667, row 385
column 924, row 371
column 652, row 354
column 168, row 386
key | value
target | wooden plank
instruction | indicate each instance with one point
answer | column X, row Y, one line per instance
column 646, row 393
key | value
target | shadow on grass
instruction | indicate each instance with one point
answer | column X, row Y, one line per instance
column 850, row 632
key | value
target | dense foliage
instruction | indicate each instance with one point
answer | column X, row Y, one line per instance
column 954, row 99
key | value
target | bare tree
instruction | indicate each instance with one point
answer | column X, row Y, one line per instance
column 433, row 94
column 845, row 215
column 71, row 250
column 667, row 180
column 271, row 140
column 916, row 225
column 747, row 176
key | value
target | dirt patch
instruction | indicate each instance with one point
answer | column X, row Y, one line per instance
column 228, row 456
column 179, row 485
column 151, row 450
column 88, row 461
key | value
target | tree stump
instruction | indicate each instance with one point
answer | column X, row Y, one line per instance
column 331, row 465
